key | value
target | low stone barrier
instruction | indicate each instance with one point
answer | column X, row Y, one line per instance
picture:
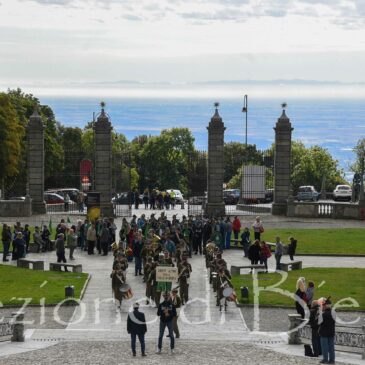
column 347, row 338
column 12, row 329
column 6, row 329
column 325, row 209
column 16, row 208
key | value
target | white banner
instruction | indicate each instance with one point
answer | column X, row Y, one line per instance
column 166, row 274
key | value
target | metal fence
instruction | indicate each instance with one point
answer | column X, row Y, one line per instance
column 197, row 183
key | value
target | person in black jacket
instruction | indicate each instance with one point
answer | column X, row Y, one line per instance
column 327, row 324
column 313, row 322
column 166, row 311
column 6, row 238
column 136, row 326
column 254, row 252
column 292, row 248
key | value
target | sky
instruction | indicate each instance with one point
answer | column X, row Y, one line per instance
column 78, row 43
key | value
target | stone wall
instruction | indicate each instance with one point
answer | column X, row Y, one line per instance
column 16, row 208
column 325, row 210
column 349, row 339
column 6, row 329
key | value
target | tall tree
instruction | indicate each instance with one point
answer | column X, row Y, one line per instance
column 309, row 166
column 164, row 159
column 359, row 150
column 11, row 136
column 71, row 140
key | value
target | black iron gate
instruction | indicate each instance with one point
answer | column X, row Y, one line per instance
column 123, row 194
column 254, row 191
column 64, row 188
column 197, row 183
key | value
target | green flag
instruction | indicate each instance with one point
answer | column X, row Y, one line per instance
column 50, row 224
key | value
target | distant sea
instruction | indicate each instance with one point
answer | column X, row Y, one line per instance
column 333, row 124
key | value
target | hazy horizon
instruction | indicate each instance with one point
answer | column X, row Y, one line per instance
column 284, row 90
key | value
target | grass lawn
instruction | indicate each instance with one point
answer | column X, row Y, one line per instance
column 350, row 241
column 339, row 283
column 25, row 283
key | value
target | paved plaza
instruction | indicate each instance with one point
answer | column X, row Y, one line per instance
column 97, row 331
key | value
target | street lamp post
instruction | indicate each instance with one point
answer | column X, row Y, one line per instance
column 245, row 110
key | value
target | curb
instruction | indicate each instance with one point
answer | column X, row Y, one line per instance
column 85, row 286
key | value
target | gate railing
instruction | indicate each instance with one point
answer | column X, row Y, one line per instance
column 325, row 209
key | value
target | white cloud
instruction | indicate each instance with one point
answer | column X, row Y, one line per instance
column 181, row 40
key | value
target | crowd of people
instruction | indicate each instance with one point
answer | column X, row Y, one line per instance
column 157, row 241
column 151, row 199
column 160, row 242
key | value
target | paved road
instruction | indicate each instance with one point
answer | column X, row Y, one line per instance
column 269, row 221
column 98, row 317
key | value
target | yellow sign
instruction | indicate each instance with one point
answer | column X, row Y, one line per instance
column 166, row 274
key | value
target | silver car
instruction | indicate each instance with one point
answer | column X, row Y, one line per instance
column 308, row 193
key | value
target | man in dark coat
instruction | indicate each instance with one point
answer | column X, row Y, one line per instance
column 292, row 247
column 136, row 326
column 104, row 238
column 6, row 238
column 327, row 324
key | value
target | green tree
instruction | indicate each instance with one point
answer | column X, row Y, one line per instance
column 24, row 105
column 236, row 154
column 53, row 149
column 87, row 143
column 163, row 160
column 71, row 140
column 359, row 150
column 11, row 136
column 310, row 165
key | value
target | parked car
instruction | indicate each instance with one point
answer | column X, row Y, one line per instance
column 72, row 192
column 231, row 196
column 342, row 192
column 53, row 198
column 307, row 192
column 178, row 195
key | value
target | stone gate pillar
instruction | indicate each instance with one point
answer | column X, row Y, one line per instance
column 215, row 205
column 282, row 164
column 103, row 163
column 35, row 134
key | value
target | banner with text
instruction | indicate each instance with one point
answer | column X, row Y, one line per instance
column 166, row 274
